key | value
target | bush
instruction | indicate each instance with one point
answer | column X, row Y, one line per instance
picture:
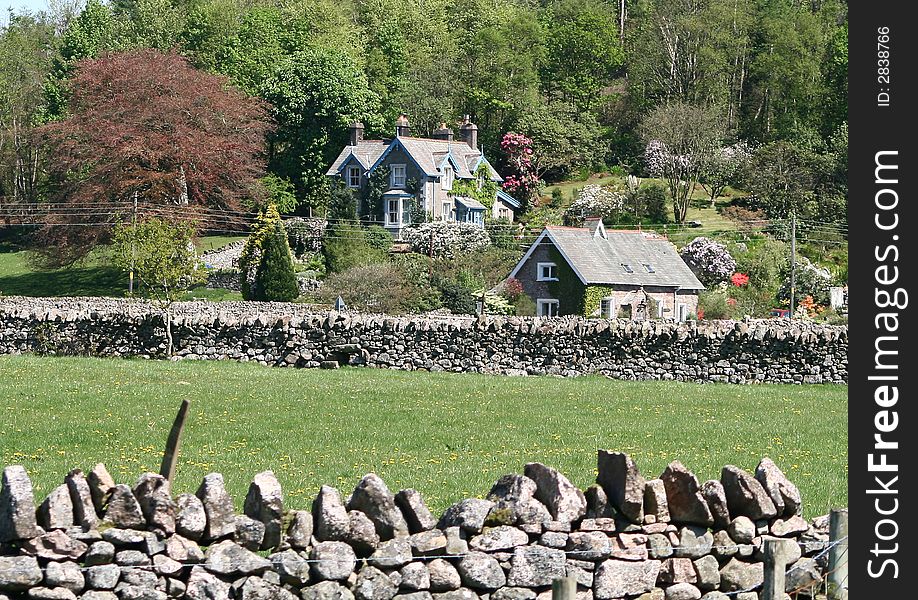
column 809, row 280
column 275, row 279
column 379, row 238
column 445, row 239
column 525, row 306
column 250, row 258
column 595, row 201
column 709, row 260
column 457, row 296
column 713, row 304
column 347, row 246
column 378, row 288
column 502, row 234
column 648, row 203
column 304, row 235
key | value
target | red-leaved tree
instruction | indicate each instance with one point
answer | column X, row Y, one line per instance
column 147, row 124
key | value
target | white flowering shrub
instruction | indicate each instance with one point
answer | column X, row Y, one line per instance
column 710, row 261
column 596, row 201
column 660, row 162
column 304, row 235
column 445, row 239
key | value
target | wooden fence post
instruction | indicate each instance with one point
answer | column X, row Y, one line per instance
column 174, row 443
column 838, row 554
column 564, row 588
column 776, row 555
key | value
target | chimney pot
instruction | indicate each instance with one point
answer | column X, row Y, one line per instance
column 356, row 129
column 402, row 127
column 469, row 133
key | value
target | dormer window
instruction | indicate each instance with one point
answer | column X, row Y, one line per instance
column 447, row 178
column 649, row 268
column 353, row 177
column 627, row 268
column 397, row 179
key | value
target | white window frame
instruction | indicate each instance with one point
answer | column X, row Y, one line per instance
column 503, row 213
column 397, row 176
column 447, row 210
column 389, row 212
column 543, row 303
column 351, row 171
column 682, row 313
column 550, row 265
column 610, row 313
column 446, row 180
column 661, row 306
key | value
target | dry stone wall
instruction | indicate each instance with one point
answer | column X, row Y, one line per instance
column 667, row 538
column 291, row 335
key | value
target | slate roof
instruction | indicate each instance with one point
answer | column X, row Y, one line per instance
column 600, row 260
column 428, row 153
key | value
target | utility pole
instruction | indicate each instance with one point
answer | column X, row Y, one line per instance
column 793, row 260
column 133, row 248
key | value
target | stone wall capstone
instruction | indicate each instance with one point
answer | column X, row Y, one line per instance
column 373, row 546
column 292, row 335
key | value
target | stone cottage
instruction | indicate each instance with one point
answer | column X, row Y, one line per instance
column 439, row 177
column 594, row 272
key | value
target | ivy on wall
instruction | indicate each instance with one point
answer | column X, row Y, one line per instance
column 486, row 194
column 377, row 185
column 568, row 289
column 592, row 297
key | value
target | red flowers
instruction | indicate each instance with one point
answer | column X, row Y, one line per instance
column 739, row 279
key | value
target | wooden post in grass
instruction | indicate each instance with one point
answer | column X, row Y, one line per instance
column 776, row 554
column 174, row 443
column 838, row 554
column 564, row 588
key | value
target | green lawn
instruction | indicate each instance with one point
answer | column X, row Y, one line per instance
column 448, row 435
column 90, row 277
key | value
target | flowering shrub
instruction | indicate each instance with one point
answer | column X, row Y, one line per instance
column 723, row 166
column 809, row 280
column 596, row 201
column 512, row 289
column 658, row 159
column 709, row 260
column 739, row 279
column 305, row 234
column 445, row 239
column 524, row 182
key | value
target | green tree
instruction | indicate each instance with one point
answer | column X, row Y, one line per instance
column 781, row 177
column 275, row 278
column 161, row 255
column 583, row 54
column 315, row 94
column 250, row 258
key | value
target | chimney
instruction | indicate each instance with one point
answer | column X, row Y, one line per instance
column 468, row 132
column 443, row 133
column 594, row 224
column 401, row 125
column 356, row 129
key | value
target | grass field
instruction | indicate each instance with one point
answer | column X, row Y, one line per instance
column 90, row 277
column 448, row 435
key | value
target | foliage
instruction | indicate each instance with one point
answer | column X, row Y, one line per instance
column 347, row 246
column 781, row 178
column 279, row 192
column 724, row 167
column 595, row 201
column 495, row 304
column 647, row 203
column 512, row 289
column 712, row 304
column 525, row 306
column 481, row 188
column 710, row 261
column 562, row 139
column 275, row 279
column 251, row 256
column 314, row 95
column 502, row 234
column 680, row 138
column 456, row 295
column 147, row 124
column 378, row 237
column 377, row 185
column 523, row 181
column 305, row 235
column 378, row 288
column 592, row 298
column 445, row 239
column 809, row 280
column 583, row 54
column 160, row 253
column 342, row 203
